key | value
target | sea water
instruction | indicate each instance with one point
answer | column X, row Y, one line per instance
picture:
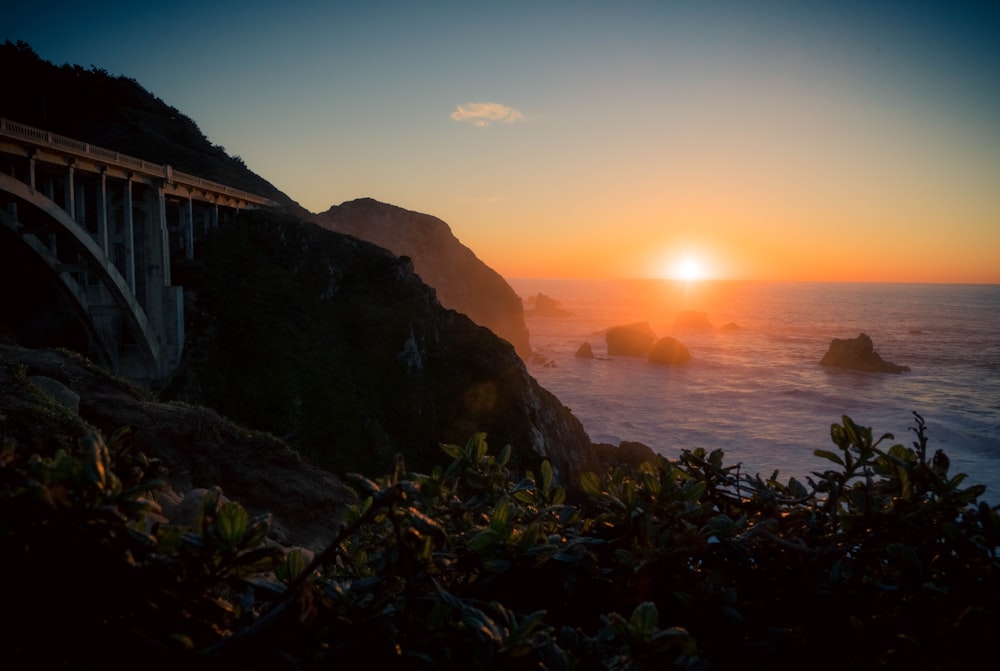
column 754, row 386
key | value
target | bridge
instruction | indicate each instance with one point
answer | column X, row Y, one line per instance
column 108, row 225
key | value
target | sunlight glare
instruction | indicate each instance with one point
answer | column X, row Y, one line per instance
column 688, row 269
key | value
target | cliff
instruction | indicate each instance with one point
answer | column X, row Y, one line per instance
column 462, row 281
column 330, row 343
column 336, row 345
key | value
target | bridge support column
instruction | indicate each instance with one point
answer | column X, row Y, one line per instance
column 69, row 190
column 188, row 227
column 128, row 235
column 102, row 212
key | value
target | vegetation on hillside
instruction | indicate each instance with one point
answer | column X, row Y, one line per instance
column 882, row 559
column 116, row 112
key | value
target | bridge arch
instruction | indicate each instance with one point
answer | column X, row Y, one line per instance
column 36, row 231
column 108, row 226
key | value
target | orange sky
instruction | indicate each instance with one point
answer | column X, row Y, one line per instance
column 783, row 141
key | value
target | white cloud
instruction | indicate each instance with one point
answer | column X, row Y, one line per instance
column 481, row 114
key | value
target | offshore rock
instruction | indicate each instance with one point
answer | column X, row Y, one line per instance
column 545, row 306
column 462, row 281
column 858, row 354
column 669, row 351
column 584, row 351
column 630, row 339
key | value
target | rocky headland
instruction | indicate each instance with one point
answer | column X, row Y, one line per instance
column 462, row 281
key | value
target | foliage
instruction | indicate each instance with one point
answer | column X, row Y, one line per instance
column 883, row 560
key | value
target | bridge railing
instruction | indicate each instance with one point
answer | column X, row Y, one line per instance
column 45, row 138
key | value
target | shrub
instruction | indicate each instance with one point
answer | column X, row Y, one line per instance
column 882, row 559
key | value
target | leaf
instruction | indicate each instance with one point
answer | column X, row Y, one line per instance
column 694, row 489
column 453, row 451
column 645, row 618
column 259, row 526
column 525, row 485
column 427, row 525
column 500, row 516
column 796, row 488
column 504, row 457
column 295, row 564
column 483, row 540
column 257, row 561
column 547, row 474
column 230, row 526
column 476, row 448
column 95, row 466
column 591, row 484
column 370, row 486
column 831, row 456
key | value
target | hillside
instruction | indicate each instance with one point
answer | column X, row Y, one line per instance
column 333, row 344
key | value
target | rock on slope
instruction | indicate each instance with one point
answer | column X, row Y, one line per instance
column 462, row 281
column 196, row 446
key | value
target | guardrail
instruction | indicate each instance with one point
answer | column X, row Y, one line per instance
column 68, row 145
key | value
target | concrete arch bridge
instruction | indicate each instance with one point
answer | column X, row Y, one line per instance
column 107, row 225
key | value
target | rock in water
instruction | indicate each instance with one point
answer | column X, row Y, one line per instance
column 669, row 351
column 858, row 354
column 585, row 351
column 630, row 339
column 549, row 307
column 462, row 281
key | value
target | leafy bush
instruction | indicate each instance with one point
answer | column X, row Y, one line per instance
column 882, row 560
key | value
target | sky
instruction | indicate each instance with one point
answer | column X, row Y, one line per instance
column 802, row 141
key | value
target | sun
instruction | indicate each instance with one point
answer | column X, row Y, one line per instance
column 688, row 269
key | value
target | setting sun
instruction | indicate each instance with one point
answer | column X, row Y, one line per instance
column 688, row 269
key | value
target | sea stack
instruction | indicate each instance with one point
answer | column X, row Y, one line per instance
column 669, row 351
column 630, row 339
column 858, row 354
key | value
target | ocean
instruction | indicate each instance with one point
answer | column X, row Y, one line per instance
column 757, row 391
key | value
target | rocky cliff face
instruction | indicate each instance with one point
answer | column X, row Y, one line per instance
column 337, row 346
column 462, row 281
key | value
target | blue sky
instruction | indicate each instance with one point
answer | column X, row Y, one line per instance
column 770, row 139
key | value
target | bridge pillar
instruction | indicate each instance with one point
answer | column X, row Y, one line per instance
column 102, row 211
column 128, row 235
column 187, row 226
column 70, row 193
column 31, row 168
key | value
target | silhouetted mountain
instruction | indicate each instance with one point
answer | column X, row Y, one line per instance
column 462, row 281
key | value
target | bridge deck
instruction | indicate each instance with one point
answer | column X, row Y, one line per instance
column 174, row 180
